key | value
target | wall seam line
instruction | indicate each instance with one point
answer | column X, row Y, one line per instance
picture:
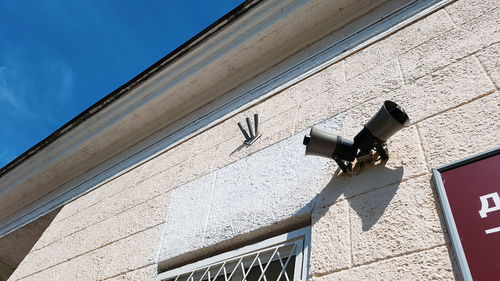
column 103, row 220
column 296, row 117
column 450, row 18
column 125, row 272
column 375, row 189
column 351, row 263
column 453, row 61
column 90, row 251
column 488, row 93
column 420, row 17
column 93, row 204
column 61, row 272
column 485, row 70
column 344, row 67
column 381, row 260
column 398, row 62
column 214, row 185
column 421, row 146
column 167, row 218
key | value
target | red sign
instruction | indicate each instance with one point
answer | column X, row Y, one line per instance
column 472, row 191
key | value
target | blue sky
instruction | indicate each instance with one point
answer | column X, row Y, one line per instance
column 59, row 57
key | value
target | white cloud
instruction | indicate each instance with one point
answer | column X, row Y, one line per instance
column 34, row 92
column 63, row 74
column 7, row 90
column 66, row 92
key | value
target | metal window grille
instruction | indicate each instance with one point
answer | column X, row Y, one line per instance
column 281, row 258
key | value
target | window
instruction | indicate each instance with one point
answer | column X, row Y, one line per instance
column 281, row 258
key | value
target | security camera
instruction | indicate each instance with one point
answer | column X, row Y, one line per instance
column 323, row 144
column 386, row 122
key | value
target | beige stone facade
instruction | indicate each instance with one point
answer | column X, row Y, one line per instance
column 382, row 224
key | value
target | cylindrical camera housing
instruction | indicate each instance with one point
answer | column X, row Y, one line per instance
column 323, row 144
column 385, row 123
column 389, row 119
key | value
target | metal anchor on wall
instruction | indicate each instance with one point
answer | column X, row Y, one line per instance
column 253, row 130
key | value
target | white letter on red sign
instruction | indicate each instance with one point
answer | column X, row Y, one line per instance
column 485, row 208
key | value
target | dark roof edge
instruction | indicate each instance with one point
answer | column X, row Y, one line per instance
column 143, row 76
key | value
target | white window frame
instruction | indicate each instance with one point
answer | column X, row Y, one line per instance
column 301, row 238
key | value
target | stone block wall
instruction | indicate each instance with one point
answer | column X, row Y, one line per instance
column 383, row 224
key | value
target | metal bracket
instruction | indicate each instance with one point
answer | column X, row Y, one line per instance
column 379, row 152
column 253, row 130
column 346, row 167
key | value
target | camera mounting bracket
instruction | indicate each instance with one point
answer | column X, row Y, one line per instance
column 346, row 168
column 379, row 152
